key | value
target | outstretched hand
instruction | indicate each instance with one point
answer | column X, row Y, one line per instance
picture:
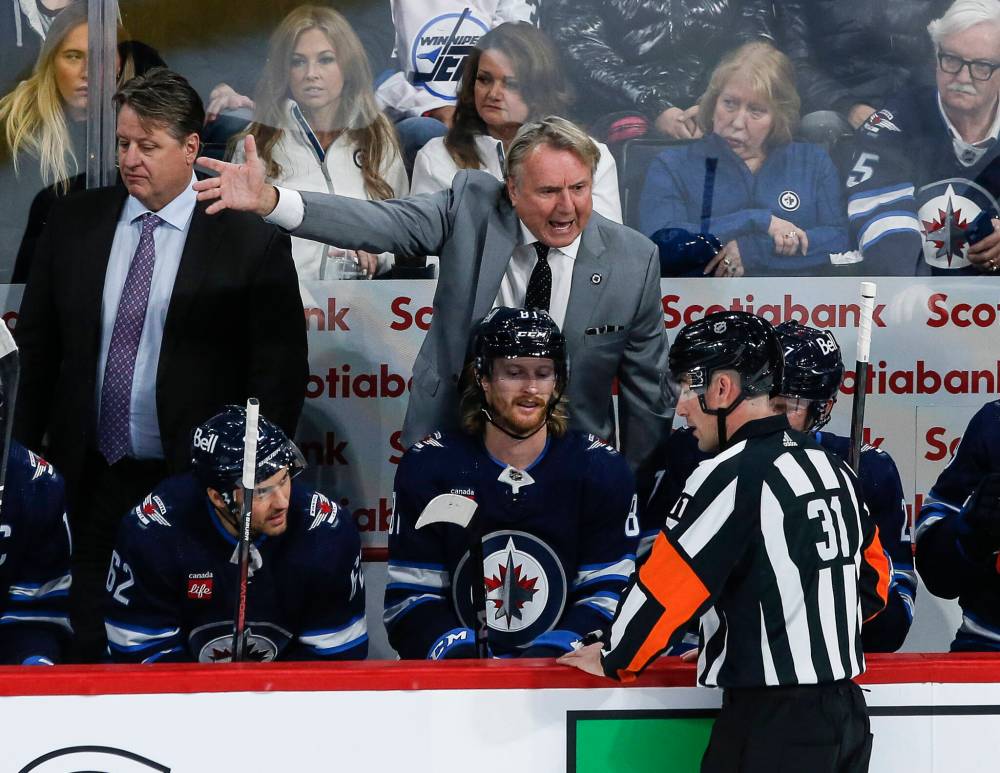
column 586, row 658
column 238, row 186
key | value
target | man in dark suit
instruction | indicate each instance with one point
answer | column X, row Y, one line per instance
column 530, row 242
column 142, row 317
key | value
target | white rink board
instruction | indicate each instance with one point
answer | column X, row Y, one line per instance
column 431, row 730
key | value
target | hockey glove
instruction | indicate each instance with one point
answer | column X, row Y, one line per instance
column 979, row 532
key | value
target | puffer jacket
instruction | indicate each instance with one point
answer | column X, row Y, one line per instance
column 849, row 52
column 649, row 55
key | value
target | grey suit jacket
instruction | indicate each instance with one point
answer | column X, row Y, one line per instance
column 474, row 229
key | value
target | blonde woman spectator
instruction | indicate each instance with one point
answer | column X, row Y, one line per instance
column 318, row 129
column 512, row 77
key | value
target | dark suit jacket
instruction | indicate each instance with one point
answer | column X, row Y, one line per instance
column 234, row 329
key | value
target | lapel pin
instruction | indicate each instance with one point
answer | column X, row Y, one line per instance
column 595, row 279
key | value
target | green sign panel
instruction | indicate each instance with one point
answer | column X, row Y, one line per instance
column 637, row 741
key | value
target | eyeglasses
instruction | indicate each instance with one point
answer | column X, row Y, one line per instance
column 979, row 69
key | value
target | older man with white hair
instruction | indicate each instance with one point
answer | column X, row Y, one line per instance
column 925, row 177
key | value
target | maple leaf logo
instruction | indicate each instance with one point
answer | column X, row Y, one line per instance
column 947, row 232
column 512, row 590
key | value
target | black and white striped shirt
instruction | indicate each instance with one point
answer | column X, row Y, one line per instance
column 771, row 545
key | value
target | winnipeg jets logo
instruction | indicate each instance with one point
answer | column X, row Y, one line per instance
column 947, row 232
column 525, row 587
column 512, row 589
column 513, row 578
column 438, row 52
column 947, row 211
column 259, row 649
column 789, row 201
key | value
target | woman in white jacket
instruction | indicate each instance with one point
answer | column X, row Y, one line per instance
column 318, row 129
column 513, row 76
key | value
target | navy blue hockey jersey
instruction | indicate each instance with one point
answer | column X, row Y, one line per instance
column 947, row 570
column 913, row 204
column 173, row 579
column 883, row 493
column 559, row 542
column 34, row 562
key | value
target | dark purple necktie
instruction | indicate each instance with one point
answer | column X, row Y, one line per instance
column 540, row 283
column 114, row 440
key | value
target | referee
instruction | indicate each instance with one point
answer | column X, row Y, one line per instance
column 770, row 546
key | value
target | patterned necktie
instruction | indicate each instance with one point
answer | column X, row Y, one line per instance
column 540, row 283
column 114, row 439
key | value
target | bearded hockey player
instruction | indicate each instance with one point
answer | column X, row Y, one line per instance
column 555, row 510
column 813, row 371
column 172, row 582
column 958, row 533
column 925, row 177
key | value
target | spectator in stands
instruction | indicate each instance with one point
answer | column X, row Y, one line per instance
column 924, row 180
column 775, row 205
column 433, row 40
column 44, row 125
column 24, row 25
column 512, row 76
column 318, row 129
column 653, row 57
column 851, row 56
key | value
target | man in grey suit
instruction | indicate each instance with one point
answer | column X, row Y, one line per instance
column 533, row 242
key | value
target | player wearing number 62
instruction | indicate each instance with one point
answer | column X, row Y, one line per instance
column 555, row 511
column 172, row 582
column 771, row 547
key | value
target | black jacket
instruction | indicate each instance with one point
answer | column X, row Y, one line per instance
column 849, row 52
column 649, row 55
column 234, row 328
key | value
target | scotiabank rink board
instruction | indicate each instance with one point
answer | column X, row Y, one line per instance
column 934, row 361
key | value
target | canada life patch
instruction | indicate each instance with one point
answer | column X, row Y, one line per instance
column 199, row 586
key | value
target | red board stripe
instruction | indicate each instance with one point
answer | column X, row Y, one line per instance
column 398, row 675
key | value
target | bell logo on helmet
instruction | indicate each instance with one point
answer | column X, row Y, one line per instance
column 827, row 345
column 205, row 441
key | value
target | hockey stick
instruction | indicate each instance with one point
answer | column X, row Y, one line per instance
column 459, row 510
column 10, row 370
column 249, row 482
column 861, row 374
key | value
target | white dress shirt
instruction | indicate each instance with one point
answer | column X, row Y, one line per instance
column 169, row 239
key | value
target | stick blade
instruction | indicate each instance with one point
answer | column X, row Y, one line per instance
column 448, row 508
